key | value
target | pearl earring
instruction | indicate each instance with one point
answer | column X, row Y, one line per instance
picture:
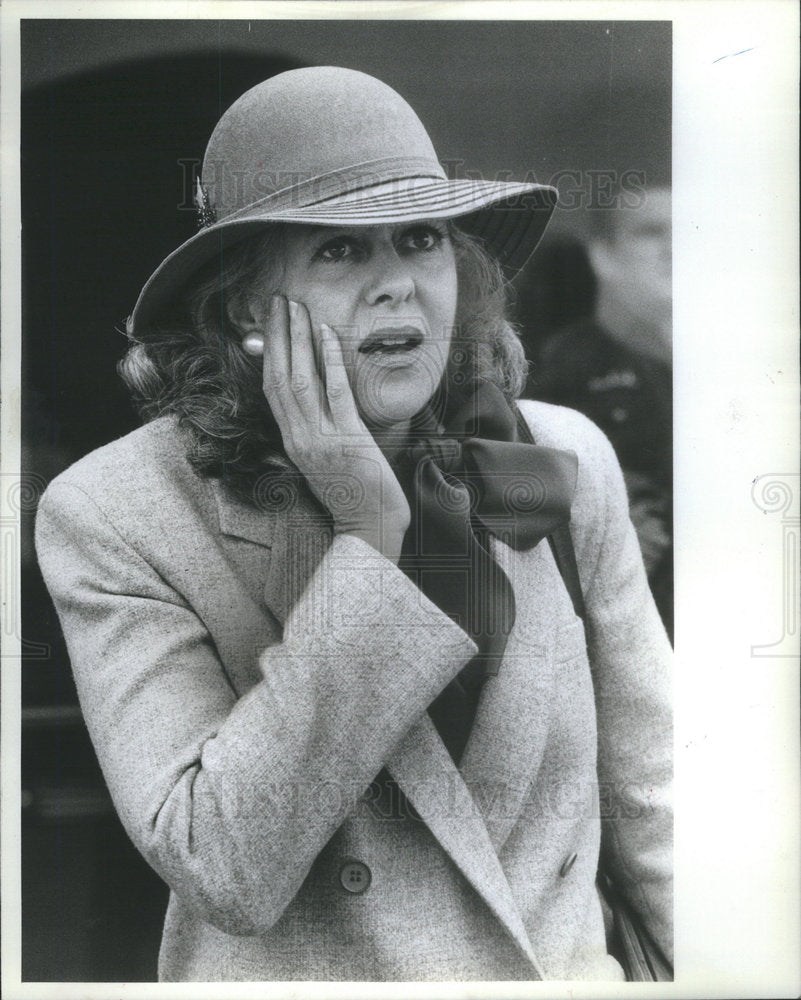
column 253, row 343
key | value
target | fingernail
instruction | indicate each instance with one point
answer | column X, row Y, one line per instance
column 293, row 308
column 275, row 303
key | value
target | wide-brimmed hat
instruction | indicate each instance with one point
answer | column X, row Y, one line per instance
column 335, row 147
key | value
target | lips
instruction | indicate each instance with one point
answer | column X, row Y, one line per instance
column 391, row 340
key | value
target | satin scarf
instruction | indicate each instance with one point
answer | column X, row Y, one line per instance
column 468, row 476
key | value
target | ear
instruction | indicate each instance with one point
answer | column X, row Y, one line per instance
column 600, row 257
column 247, row 313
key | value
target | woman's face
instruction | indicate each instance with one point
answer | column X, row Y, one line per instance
column 389, row 293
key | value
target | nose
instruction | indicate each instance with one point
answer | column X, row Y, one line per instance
column 390, row 281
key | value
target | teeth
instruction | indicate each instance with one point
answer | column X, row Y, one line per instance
column 390, row 343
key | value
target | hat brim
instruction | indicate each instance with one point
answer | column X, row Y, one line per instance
column 508, row 218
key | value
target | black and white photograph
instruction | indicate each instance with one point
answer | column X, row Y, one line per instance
column 353, row 513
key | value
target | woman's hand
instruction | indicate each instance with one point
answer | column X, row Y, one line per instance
column 306, row 384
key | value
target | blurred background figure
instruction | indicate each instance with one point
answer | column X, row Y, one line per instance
column 630, row 250
column 596, row 320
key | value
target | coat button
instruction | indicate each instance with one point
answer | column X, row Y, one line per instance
column 567, row 864
column 355, row 877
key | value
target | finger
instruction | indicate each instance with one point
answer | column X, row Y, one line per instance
column 276, row 372
column 337, row 385
column 306, row 382
column 276, row 363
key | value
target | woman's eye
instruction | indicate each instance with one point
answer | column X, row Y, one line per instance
column 423, row 238
column 338, row 249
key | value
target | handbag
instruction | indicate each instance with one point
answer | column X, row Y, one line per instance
column 628, row 941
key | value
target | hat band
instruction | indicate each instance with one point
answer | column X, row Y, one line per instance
column 413, row 198
column 326, row 186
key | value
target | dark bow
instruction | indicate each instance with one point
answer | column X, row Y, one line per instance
column 467, row 477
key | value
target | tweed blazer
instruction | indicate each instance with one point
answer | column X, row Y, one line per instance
column 244, row 678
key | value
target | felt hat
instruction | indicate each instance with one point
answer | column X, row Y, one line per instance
column 335, row 147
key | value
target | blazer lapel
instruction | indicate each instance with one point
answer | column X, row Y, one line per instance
column 294, row 528
column 424, row 770
column 472, row 810
column 300, row 540
column 509, row 734
column 242, row 521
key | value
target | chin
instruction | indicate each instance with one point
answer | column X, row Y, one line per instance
column 391, row 412
column 394, row 399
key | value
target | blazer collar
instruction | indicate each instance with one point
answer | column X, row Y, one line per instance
column 239, row 520
column 295, row 529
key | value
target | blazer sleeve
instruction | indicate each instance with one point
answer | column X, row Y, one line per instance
column 231, row 800
column 631, row 660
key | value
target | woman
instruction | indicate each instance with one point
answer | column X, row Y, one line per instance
column 333, row 673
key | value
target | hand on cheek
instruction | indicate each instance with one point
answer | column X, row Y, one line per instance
column 306, row 384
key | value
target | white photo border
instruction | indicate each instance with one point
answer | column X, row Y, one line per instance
column 735, row 187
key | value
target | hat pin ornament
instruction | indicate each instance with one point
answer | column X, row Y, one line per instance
column 206, row 216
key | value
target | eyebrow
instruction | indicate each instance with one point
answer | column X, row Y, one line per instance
column 314, row 232
column 317, row 232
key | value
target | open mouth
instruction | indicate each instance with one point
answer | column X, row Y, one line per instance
column 391, row 341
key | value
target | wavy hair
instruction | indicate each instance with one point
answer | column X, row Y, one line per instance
column 190, row 363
